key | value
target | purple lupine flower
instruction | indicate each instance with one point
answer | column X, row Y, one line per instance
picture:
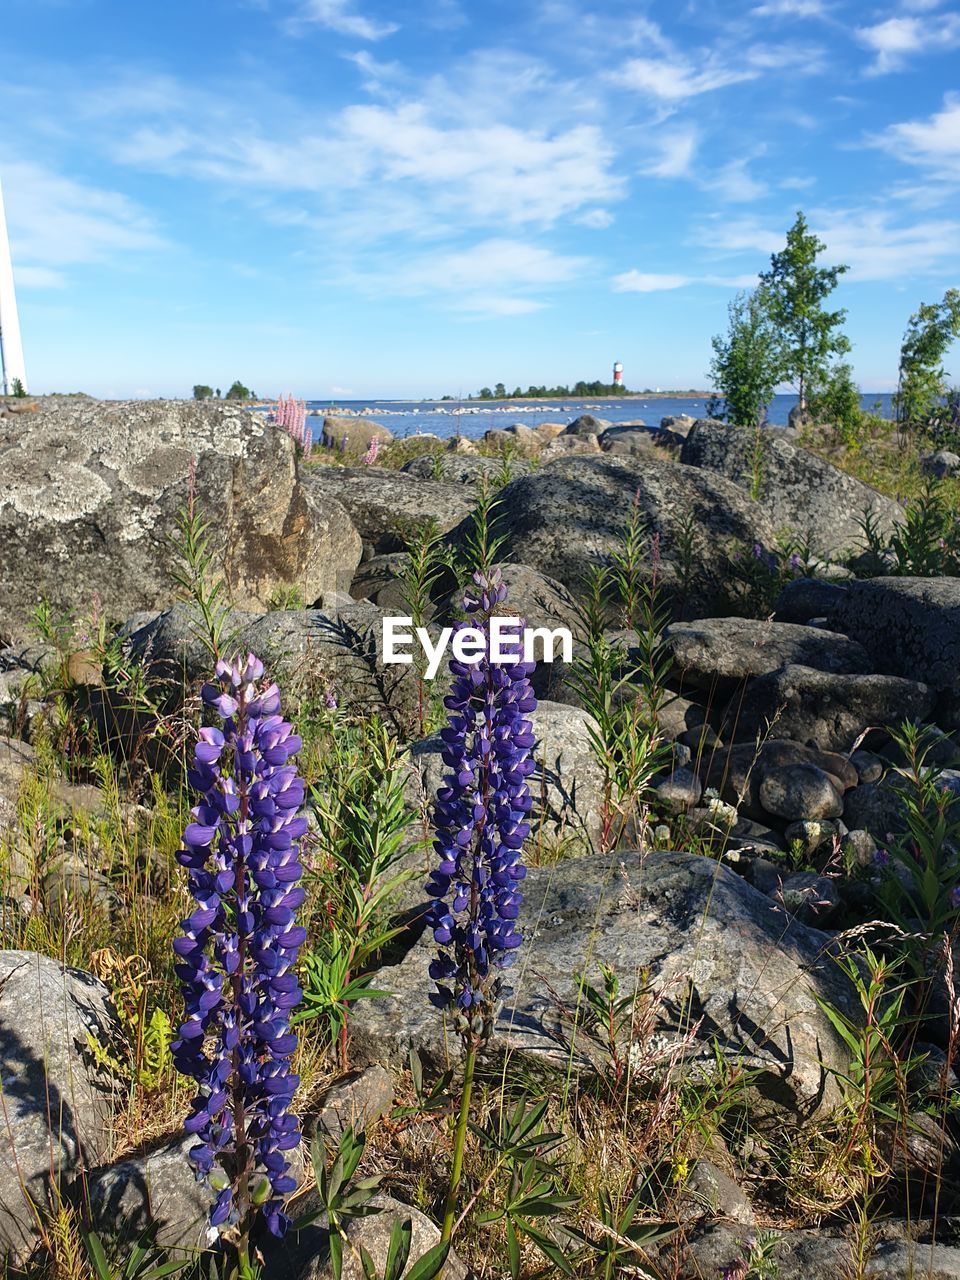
column 955, row 897
column 481, row 819
column 795, row 560
column 758, row 551
column 881, row 857
column 239, row 947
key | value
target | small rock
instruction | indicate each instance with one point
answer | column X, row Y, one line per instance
column 940, row 464
column 798, row 792
column 356, row 1101
column 868, row 766
column 859, row 848
column 711, row 1193
column 811, row 834
column 810, row 897
column 678, row 792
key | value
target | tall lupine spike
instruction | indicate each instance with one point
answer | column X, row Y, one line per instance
column 481, row 819
column 239, row 949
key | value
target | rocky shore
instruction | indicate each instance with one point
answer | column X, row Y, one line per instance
column 788, row 664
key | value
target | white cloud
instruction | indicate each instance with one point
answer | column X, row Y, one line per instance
column 933, row 143
column 733, row 183
column 789, row 9
column 895, row 39
column 673, row 79
column 677, row 148
column 58, row 222
column 656, row 282
column 797, row 184
column 596, row 219
column 341, row 16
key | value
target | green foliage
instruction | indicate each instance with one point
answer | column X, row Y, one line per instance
column 197, row 579
column 286, row 598
column 481, row 543
column 237, row 391
column 143, row 1262
column 578, row 391
column 617, row 1245
column 834, row 400
column 18, row 390
column 426, row 1267
column 427, row 558
column 202, row 392
column 758, row 574
column 796, row 289
column 930, row 332
column 342, row 1199
column 746, row 362
column 926, row 544
column 362, row 837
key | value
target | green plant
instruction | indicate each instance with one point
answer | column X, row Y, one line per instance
column 196, row 577
column 617, row 1244
column 745, row 367
column 931, row 331
column 362, row 838
column 427, row 558
column 286, row 598
column 426, row 1267
column 342, row 1199
column 835, row 400
column 925, row 544
column 143, row 1262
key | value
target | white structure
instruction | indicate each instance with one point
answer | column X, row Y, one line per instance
column 618, row 374
column 11, row 348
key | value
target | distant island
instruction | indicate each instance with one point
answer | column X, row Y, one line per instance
column 579, row 391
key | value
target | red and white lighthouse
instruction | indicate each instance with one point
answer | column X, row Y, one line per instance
column 618, row 374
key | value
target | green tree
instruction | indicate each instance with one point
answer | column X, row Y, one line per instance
column 500, row 392
column 746, row 361
column 200, row 392
column 921, row 379
column 239, row 392
column 835, row 401
column 18, row 390
column 485, row 393
column 796, row 288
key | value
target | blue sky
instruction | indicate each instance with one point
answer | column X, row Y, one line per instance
column 351, row 198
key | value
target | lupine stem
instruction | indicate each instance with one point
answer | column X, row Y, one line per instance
column 459, row 1141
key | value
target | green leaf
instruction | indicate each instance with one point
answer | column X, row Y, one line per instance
column 430, row 1264
column 97, row 1256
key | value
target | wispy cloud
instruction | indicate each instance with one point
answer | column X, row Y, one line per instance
column 673, row 79
column 734, row 183
column 895, row 40
column 659, row 282
column 933, row 143
column 790, row 9
column 341, row 16
column 676, row 148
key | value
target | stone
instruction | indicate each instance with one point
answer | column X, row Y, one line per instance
column 380, row 580
column 517, row 438
column 813, row 898
column 679, row 423
column 868, row 766
column 465, row 469
column 355, row 1101
column 567, row 786
column 709, row 1249
column 797, row 489
column 639, row 442
column 305, row 1254
column 352, row 435
column 307, row 650
column 678, row 792
column 805, row 598
column 57, row 1103
column 387, row 506
column 859, row 848
column 909, row 626
column 812, row 835
column 564, row 444
column 799, row 791
column 93, row 491
column 155, row 1190
column 909, row 1260
column 586, row 425
column 829, row 710
column 734, row 968
column 566, row 519
column 940, row 464
column 737, row 771
column 874, row 807
column 710, row 1193
column 715, row 650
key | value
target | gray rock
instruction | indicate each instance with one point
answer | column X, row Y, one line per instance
column 92, row 494
column 640, row 442
column 57, row 1104
column 159, row 1190
column 567, row 785
column 465, row 469
column 940, row 464
column 707, row 1249
column 805, row 598
column 564, row 444
column 710, row 1193
column 828, row 709
column 875, row 807
column 517, row 438
column 868, row 766
column 386, row 506
column 355, row 1101
column 678, row 792
column 733, row 966
column 731, row 649
column 736, row 772
column 909, row 626
column 799, row 791
column 680, row 424
column 586, row 425
column 568, row 517
column 797, row 489
column 859, row 848
column 811, row 836
column 812, row 898
column 380, row 580
column 352, row 435
column 906, row 1260
column 305, row 1255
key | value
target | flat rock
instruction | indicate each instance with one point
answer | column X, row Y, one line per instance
column 797, row 489
column 804, row 598
column 799, row 792
column 731, row 649
column 735, row 967
column 465, row 469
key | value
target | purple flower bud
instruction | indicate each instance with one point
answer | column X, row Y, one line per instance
column 242, row 868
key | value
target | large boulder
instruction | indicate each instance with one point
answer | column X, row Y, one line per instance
column 796, row 489
column 387, row 506
column 352, row 435
column 337, row 651
column 569, row 517
column 829, row 709
column 909, row 626
column 92, row 493
column 57, row 1103
column 736, row 973
column 465, row 469
column 715, row 650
